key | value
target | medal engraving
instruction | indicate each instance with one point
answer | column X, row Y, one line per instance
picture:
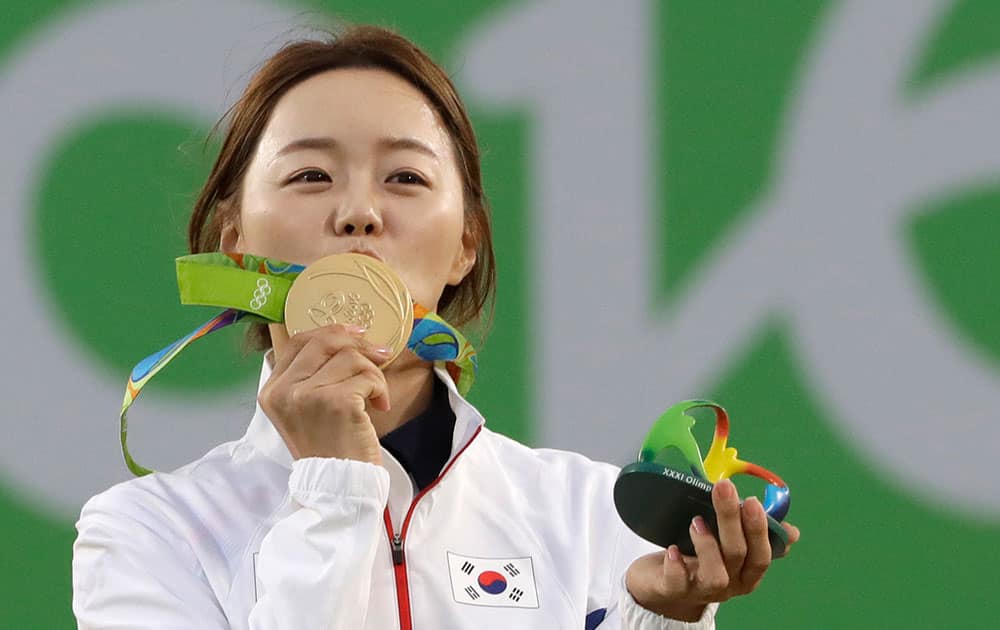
column 341, row 308
column 352, row 289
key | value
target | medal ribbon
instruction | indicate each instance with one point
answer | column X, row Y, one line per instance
column 225, row 280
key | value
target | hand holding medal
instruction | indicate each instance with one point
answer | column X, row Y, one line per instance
column 348, row 316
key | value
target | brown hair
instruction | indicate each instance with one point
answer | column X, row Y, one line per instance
column 355, row 47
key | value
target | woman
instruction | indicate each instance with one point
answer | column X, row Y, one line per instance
column 369, row 498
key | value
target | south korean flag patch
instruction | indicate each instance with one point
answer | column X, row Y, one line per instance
column 497, row 582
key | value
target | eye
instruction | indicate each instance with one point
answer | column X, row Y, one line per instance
column 311, row 176
column 407, row 177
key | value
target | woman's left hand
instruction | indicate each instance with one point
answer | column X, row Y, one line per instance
column 680, row 587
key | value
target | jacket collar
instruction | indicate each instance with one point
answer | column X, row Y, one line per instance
column 262, row 435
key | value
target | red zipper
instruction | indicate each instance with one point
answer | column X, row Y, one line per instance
column 396, row 541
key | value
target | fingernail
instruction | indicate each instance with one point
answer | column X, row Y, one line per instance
column 384, row 351
column 698, row 523
column 673, row 553
column 354, row 329
column 726, row 489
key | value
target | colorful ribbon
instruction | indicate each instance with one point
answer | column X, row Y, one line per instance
column 673, row 431
column 253, row 288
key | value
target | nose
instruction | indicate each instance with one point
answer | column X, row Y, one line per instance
column 358, row 216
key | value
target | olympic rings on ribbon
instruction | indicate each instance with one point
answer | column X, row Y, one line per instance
column 259, row 298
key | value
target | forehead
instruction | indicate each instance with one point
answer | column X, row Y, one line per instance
column 354, row 104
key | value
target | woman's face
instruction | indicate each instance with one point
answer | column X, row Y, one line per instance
column 357, row 160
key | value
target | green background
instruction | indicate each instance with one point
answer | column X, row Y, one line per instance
column 871, row 555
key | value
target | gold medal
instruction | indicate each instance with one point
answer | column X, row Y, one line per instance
column 352, row 289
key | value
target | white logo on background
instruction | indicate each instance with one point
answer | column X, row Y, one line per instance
column 185, row 57
column 822, row 249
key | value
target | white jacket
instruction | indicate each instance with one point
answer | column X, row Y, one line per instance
column 507, row 537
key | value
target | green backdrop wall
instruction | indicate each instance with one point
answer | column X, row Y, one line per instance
column 791, row 207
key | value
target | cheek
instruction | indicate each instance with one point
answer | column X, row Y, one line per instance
column 434, row 232
column 430, row 242
column 274, row 235
column 277, row 226
column 261, row 227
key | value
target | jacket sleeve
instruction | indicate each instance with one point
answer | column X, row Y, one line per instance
column 635, row 617
column 132, row 569
column 315, row 565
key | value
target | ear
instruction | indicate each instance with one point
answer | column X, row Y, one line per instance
column 465, row 259
column 231, row 236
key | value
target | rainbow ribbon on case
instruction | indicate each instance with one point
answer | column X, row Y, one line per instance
column 673, row 429
column 217, row 279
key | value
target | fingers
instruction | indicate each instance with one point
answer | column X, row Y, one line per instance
column 732, row 564
column 793, row 533
column 730, row 524
column 296, row 343
column 793, row 537
column 736, row 563
column 676, row 578
column 711, row 579
column 325, row 357
column 659, row 582
column 319, row 395
column 758, row 557
column 306, row 352
column 351, row 371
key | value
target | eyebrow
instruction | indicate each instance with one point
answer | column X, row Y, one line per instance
column 329, row 144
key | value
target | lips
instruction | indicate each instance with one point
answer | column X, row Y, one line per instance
column 365, row 251
column 358, row 248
